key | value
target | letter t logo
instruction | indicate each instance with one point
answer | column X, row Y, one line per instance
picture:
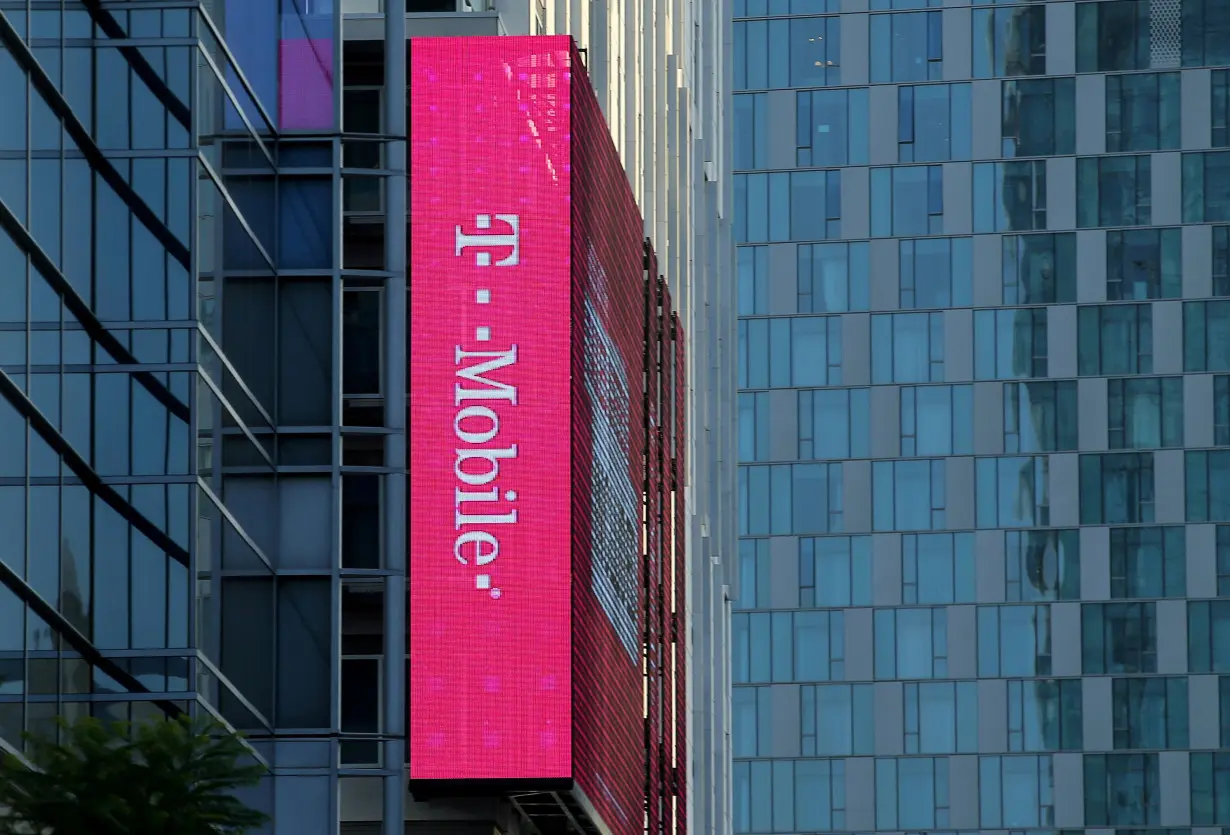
column 489, row 240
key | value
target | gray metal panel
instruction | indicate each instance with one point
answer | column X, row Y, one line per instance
column 1060, row 38
column 1090, row 114
column 786, row 734
column 784, row 572
column 856, row 349
column 1099, row 723
column 1060, row 190
column 1201, row 560
column 1095, row 563
column 957, row 55
column 988, row 264
column 854, row 62
column 1203, row 701
column 992, row 715
column 962, row 642
column 958, row 198
column 1064, row 490
column 959, row 502
column 860, row 793
column 889, row 718
column 885, row 421
column 884, row 256
column 1061, row 341
column 1065, row 650
column 1195, row 113
column 1198, row 410
column 860, row 645
column 1197, row 261
column 855, row 203
column 882, row 106
column 1167, row 350
column 886, row 569
column 783, row 424
column 989, row 569
column 1091, row 265
column 781, row 115
column 856, row 486
column 1167, row 189
column 1092, row 413
column 988, row 418
column 963, row 805
column 783, row 264
column 1172, row 636
column 1168, row 474
column 1176, row 788
column 1069, row 774
column 958, row 345
column 853, row 6
column 986, row 111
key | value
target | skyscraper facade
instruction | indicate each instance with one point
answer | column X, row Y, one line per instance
column 983, row 416
column 203, row 357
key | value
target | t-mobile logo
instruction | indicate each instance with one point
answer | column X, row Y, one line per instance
column 491, row 240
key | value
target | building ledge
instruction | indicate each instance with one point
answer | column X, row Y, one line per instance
column 370, row 27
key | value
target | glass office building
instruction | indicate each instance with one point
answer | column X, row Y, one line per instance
column 984, row 416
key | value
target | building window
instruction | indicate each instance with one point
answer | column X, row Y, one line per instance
column 1142, row 112
column 1009, row 41
column 836, row 720
column 1144, row 264
column 909, row 495
column 1119, row 638
column 1016, row 792
column 1116, row 488
column 937, row 568
column 1208, row 636
column 1206, row 32
column 1114, row 191
column 1010, row 344
column 788, row 352
column 1014, row 641
column 763, row 8
column 912, row 793
column 1145, row 412
column 834, row 423
column 751, row 721
column 937, row 420
column 751, row 131
column 1221, row 410
column 1221, row 108
column 833, row 278
column 1206, row 336
column 831, row 127
column 1221, row 260
column 935, row 272
column 1208, row 486
column 911, row 643
column 907, row 47
column 1210, row 781
column 784, row 499
column 1223, row 562
column 789, row 796
column 1112, row 36
column 1122, row 790
column 1013, row 492
column 1206, row 187
column 755, row 579
column 1045, row 715
column 754, row 423
column 1148, row 562
column 1040, row 269
column 933, row 123
column 752, row 265
column 806, row 646
column 1010, row 196
column 1114, row 339
column 1040, row 416
column 941, row 717
column 787, row 206
column 1150, row 712
column 1042, row 565
column 1039, row 117
column 834, row 571
column 1223, row 698
column 907, row 348
column 907, row 200
column 797, row 52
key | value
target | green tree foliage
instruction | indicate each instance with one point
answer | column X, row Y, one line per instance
column 173, row 777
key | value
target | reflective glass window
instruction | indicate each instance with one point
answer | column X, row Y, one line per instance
column 834, row 423
column 834, row 571
column 1221, row 410
column 1039, row 269
column 1150, row 712
column 1208, row 485
column 1145, row 412
column 1144, row 264
column 1206, row 336
column 752, row 266
column 788, row 795
column 1112, row 35
column 907, row 200
column 1009, row 196
column 1040, row 416
column 1117, row 488
column 911, row 643
column 937, row 420
column 1039, row 117
column 755, row 579
column 1114, row 191
column 1206, row 32
column 1042, row 565
column 1148, row 562
column 832, row 128
column 1142, row 112
column 1122, row 790
column 754, row 425
column 935, row 272
column 933, row 122
column 937, row 568
column 1206, row 187
column 834, row 278
column 836, row 720
column 1221, row 260
column 1010, row 344
column 1045, row 715
column 941, row 717
column 1210, row 782
column 751, row 128
column 762, row 8
column 1115, row 339
column 1009, row 41
column 907, row 47
column 909, row 495
column 1013, row 492
column 1208, row 636
column 785, row 352
column 907, row 348
column 1016, row 792
column 751, row 720
column 1118, row 638
column 912, row 793
column 1220, row 84
column 787, row 205
column 1014, row 641
column 804, row 646
column 790, row 499
column 797, row 52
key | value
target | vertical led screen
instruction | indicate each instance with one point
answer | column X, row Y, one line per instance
column 490, row 414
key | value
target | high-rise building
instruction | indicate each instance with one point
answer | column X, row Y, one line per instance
column 203, row 370
column 982, row 256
